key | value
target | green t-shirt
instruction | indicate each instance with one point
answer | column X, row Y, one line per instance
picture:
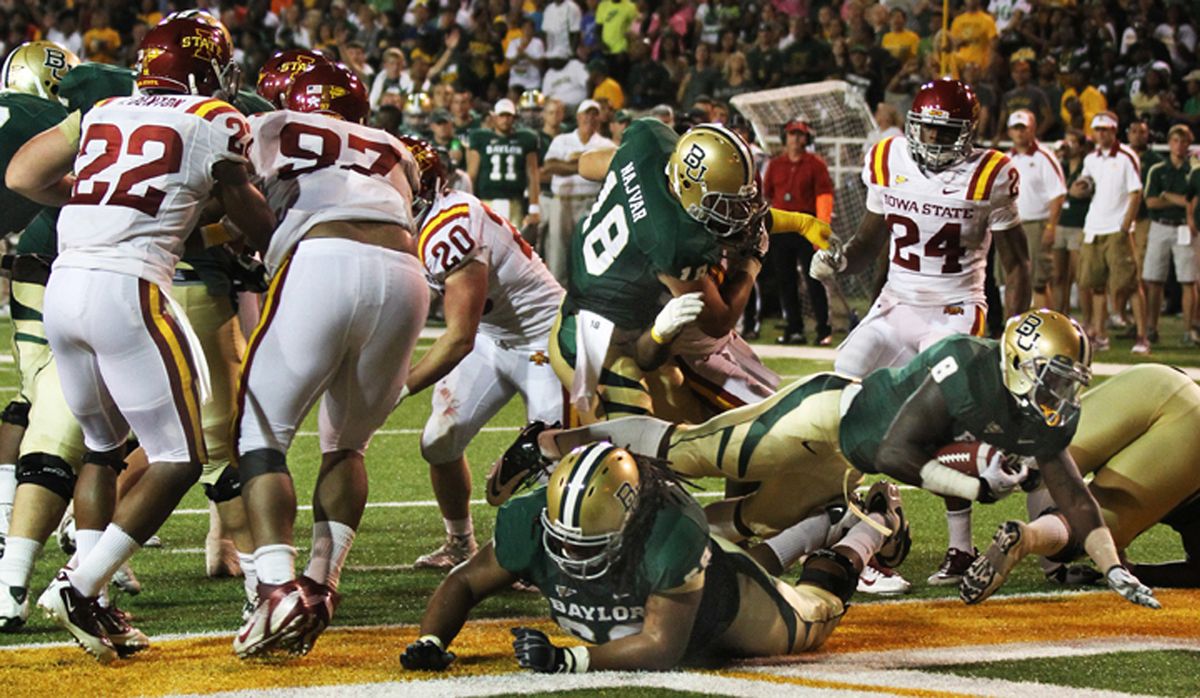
column 636, row 231
column 1148, row 159
column 968, row 371
column 22, row 117
column 502, row 173
column 1074, row 211
column 1163, row 177
column 677, row 548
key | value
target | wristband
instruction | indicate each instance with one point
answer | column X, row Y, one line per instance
column 534, row 208
column 579, row 660
column 658, row 338
column 434, row 639
column 947, row 481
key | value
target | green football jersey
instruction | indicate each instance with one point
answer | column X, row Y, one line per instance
column 502, row 173
column 636, row 231
column 249, row 102
column 22, row 117
column 968, row 371
column 88, row 83
column 41, row 235
column 596, row 610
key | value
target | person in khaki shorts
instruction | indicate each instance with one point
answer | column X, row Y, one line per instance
column 1170, row 236
column 1107, row 258
column 1039, row 203
column 1068, row 237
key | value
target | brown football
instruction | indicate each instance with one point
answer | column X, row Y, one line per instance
column 968, row 457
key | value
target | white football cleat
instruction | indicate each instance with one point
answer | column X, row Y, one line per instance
column 882, row 581
column 455, row 550
column 14, row 607
column 125, row 580
column 281, row 616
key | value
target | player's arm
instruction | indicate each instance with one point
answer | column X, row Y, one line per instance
column 41, row 170
column 659, row 646
column 1014, row 255
column 724, row 303
column 858, row 252
column 533, row 173
column 447, row 610
column 244, row 204
column 594, row 164
column 466, row 294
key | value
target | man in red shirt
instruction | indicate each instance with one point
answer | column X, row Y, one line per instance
column 797, row 180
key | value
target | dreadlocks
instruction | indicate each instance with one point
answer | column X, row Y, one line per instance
column 659, row 484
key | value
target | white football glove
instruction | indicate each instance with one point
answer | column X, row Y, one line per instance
column 827, row 264
column 1124, row 583
column 675, row 315
column 1003, row 475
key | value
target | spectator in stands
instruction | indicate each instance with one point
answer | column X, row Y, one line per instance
column 900, row 41
column 1170, row 236
column 525, row 56
column 444, row 139
column 615, row 18
column 648, row 83
column 354, row 57
column 1080, row 101
column 797, row 180
column 65, row 31
column 1107, row 258
column 561, row 25
column 701, row 78
column 1068, row 237
column 101, row 42
column 620, row 122
column 567, row 81
column 1051, row 85
column 764, row 59
column 1024, row 95
column 1039, row 202
column 465, row 118
column 806, row 58
column 735, row 78
column 573, row 195
column 861, row 77
column 973, row 32
column 604, row 88
column 390, row 76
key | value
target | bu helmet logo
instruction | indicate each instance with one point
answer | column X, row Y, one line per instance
column 55, row 61
column 1027, row 332
column 694, row 167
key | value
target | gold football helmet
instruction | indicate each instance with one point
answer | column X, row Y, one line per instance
column 712, row 175
column 1046, row 360
column 36, row 68
column 531, row 99
column 590, row 497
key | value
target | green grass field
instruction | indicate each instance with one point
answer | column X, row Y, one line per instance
column 401, row 523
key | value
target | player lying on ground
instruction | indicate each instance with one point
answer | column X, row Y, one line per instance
column 1137, row 436
column 1020, row 394
column 625, row 560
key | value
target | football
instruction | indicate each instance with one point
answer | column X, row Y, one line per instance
column 969, row 457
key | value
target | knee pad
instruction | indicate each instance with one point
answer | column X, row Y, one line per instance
column 831, row 571
column 260, row 462
column 114, row 459
column 50, row 472
column 228, row 486
column 16, row 414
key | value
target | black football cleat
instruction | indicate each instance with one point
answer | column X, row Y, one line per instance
column 521, row 463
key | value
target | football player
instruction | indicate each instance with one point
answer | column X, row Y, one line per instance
column 125, row 352
column 500, row 301
column 1142, row 458
column 417, row 107
column 669, row 208
column 346, row 303
column 276, row 75
column 1019, row 394
column 502, row 163
column 627, row 564
column 940, row 202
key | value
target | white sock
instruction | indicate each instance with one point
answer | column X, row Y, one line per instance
column 644, row 435
column 460, row 528
column 958, row 523
column 798, row 540
column 249, row 574
column 113, row 549
column 17, row 564
column 331, row 544
column 864, row 539
column 275, row 564
column 8, row 490
column 85, row 540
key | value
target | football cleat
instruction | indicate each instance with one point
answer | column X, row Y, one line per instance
column 884, row 499
column 126, row 639
column 153, row 542
column 322, row 601
column 882, row 581
column 990, row 569
column 248, row 607
column 78, row 615
column 125, row 580
column 455, row 550
column 220, row 558
column 66, row 532
column 14, row 607
column 954, row 565
column 522, row 462
column 280, row 616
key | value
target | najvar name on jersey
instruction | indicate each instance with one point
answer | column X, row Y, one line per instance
column 967, row 369
column 940, row 222
column 143, row 170
column 523, row 295
column 318, row 169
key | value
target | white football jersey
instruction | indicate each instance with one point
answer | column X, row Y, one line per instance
column 318, row 168
column 523, row 296
column 940, row 223
column 143, row 171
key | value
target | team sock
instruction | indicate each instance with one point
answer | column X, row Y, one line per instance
column 863, row 539
column 275, row 564
column 792, row 543
column 249, row 574
column 17, row 564
column 85, row 540
column 460, row 528
column 8, row 490
column 331, row 544
column 113, row 548
column 958, row 523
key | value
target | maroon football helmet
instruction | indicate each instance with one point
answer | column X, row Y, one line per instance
column 188, row 56
column 278, row 72
column 433, row 172
column 940, row 128
column 329, row 89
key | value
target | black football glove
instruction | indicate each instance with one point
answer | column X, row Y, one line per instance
column 535, row 651
column 250, row 275
column 426, row 654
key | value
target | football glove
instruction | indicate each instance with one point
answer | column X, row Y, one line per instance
column 535, row 651
column 675, row 315
column 250, row 275
column 827, row 264
column 1001, row 476
column 426, row 654
column 1124, row 583
column 812, row 228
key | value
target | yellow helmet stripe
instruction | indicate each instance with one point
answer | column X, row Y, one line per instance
column 575, row 488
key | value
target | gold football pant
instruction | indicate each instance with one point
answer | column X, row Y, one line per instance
column 1139, row 433
column 622, row 389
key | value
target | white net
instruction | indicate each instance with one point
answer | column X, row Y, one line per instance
column 843, row 126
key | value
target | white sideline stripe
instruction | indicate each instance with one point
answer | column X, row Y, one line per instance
column 413, row 430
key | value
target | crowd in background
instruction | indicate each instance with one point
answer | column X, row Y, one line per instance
column 439, row 68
